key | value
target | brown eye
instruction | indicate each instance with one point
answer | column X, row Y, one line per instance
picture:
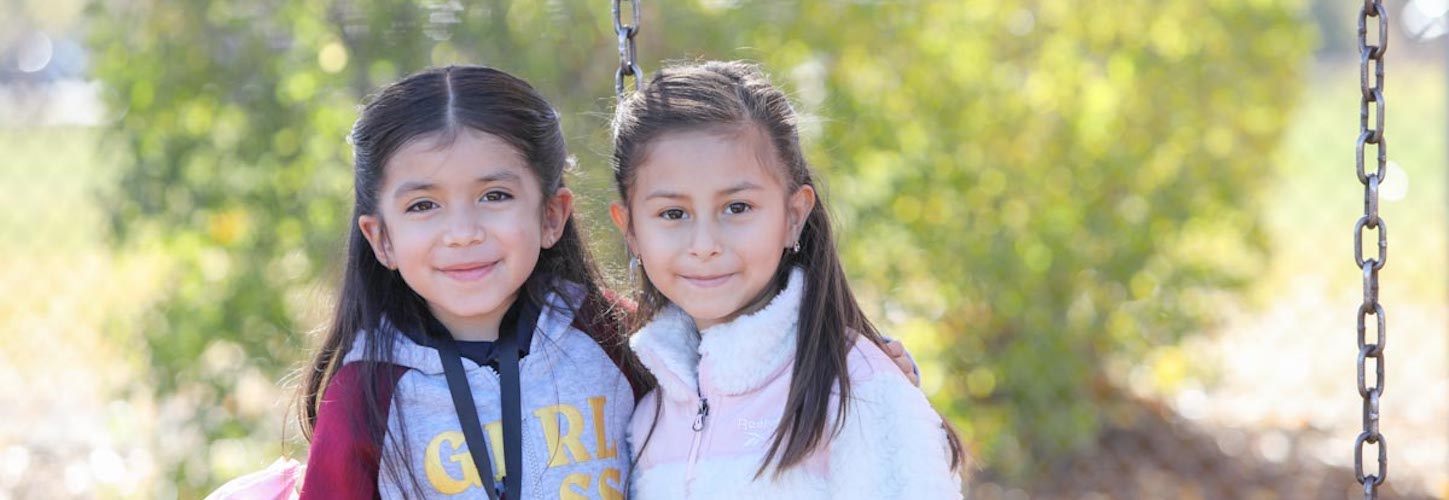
column 738, row 207
column 672, row 214
column 496, row 196
column 422, row 206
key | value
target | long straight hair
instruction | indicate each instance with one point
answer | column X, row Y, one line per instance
column 441, row 104
column 717, row 95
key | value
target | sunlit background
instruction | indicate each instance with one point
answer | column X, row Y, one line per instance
column 1116, row 235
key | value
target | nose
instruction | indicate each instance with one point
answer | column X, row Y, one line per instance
column 464, row 228
column 704, row 240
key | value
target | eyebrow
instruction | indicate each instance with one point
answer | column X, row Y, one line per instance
column 742, row 186
column 410, row 186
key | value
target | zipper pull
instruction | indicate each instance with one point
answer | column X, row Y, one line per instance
column 703, row 412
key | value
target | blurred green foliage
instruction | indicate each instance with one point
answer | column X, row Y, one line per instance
column 1029, row 192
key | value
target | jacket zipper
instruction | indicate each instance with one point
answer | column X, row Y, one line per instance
column 700, row 419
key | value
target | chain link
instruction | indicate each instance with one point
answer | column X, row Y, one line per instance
column 1371, row 112
column 628, row 60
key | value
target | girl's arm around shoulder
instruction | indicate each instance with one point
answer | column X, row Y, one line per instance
column 893, row 444
column 342, row 461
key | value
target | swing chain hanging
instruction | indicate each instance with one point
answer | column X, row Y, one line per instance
column 628, row 62
column 1371, row 96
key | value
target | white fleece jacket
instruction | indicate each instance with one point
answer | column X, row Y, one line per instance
column 722, row 392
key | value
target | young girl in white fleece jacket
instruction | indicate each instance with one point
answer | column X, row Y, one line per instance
column 772, row 383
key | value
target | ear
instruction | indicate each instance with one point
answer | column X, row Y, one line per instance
column 556, row 215
column 372, row 229
column 801, row 203
column 620, row 215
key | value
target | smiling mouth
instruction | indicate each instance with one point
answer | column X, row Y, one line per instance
column 708, row 281
column 469, row 272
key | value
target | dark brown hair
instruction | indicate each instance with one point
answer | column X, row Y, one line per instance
column 440, row 104
column 727, row 96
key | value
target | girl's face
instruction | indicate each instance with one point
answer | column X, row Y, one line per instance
column 709, row 217
column 464, row 222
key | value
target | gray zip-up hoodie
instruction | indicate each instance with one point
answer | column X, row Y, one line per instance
column 576, row 406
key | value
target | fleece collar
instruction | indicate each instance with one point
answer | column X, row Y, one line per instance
column 731, row 358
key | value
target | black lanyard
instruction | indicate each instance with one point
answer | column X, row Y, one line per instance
column 512, row 414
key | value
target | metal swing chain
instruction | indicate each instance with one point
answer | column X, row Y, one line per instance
column 1371, row 55
column 628, row 63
